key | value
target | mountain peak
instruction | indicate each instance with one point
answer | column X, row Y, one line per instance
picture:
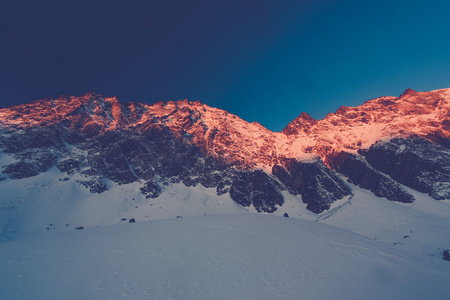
column 304, row 116
column 408, row 92
column 302, row 123
column 91, row 94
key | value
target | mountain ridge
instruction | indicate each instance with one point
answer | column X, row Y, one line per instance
column 349, row 119
column 193, row 143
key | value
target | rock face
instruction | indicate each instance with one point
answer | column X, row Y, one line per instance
column 364, row 175
column 414, row 162
column 318, row 185
column 380, row 145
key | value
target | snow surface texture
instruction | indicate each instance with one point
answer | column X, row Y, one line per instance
column 190, row 243
column 216, row 257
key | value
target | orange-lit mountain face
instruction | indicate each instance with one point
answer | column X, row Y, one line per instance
column 381, row 145
column 425, row 114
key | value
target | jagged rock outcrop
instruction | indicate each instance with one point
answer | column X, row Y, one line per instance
column 414, row 162
column 317, row 184
column 360, row 173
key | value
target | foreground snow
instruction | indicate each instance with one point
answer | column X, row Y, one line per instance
column 244, row 256
column 375, row 249
column 48, row 203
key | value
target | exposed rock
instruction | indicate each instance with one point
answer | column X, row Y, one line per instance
column 414, row 162
column 317, row 184
column 362, row 174
column 446, row 255
column 151, row 189
column 70, row 166
column 302, row 123
column 256, row 188
column 95, row 185
column 31, row 163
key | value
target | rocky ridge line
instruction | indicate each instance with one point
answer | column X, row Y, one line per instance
column 102, row 139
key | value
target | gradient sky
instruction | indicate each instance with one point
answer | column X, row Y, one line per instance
column 264, row 61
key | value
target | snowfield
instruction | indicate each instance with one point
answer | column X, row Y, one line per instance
column 235, row 256
column 190, row 243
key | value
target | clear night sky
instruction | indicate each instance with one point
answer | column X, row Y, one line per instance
column 265, row 61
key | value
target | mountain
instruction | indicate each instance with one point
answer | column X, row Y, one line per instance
column 381, row 145
column 103, row 199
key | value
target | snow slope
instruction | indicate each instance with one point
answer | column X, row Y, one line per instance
column 216, row 257
column 422, row 227
column 47, row 202
column 217, row 249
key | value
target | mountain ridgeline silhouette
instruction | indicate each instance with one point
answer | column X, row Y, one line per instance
column 383, row 145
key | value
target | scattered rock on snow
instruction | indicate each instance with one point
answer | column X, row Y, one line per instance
column 446, row 255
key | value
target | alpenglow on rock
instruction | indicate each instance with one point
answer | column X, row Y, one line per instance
column 381, row 146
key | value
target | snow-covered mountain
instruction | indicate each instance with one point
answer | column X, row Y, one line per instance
column 96, row 140
column 380, row 171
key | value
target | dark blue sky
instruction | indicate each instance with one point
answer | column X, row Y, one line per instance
column 265, row 61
